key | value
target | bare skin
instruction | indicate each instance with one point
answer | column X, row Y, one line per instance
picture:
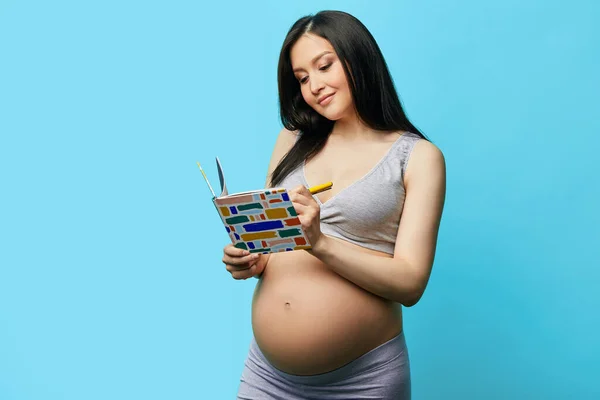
column 314, row 311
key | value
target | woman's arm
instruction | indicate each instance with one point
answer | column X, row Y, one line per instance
column 404, row 277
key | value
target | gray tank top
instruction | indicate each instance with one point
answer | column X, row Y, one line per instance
column 367, row 213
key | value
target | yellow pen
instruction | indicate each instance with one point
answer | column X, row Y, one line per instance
column 320, row 188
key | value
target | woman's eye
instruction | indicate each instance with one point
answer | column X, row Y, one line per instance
column 325, row 67
column 303, row 80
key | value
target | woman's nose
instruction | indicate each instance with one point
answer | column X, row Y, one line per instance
column 316, row 85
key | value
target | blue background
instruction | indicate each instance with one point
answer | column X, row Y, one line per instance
column 111, row 285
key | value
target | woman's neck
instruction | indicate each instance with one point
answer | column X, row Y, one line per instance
column 351, row 128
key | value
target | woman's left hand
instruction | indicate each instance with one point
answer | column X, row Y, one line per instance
column 308, row 211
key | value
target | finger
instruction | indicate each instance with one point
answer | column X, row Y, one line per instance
column 241, row 260
column 233, row 251
column 304, row 192
column 301, row 209
column 244, row 274
column 307, row 216
column 301, row 190
column 304, row 200
column 237, row 268
column 306, row 209
column 298, row 199
column 304, row 197
column 297, row 189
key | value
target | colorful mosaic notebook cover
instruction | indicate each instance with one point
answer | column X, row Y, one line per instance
column 260, row 221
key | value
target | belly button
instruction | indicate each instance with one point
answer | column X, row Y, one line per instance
column 287, row 305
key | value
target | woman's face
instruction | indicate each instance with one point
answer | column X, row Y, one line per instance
column 321, row 77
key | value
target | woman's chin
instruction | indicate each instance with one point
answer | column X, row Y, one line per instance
column 332, row 116
column 335, row 114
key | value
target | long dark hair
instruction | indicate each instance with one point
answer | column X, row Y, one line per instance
column 371, row 86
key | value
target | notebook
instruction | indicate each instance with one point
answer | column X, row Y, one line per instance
column 260, row 221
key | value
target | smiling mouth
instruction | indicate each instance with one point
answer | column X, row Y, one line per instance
column 326, row 99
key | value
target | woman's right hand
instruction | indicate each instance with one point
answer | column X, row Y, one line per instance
column 242, row 264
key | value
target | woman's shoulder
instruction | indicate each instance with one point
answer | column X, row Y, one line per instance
column 428, row 150
column 286, row 140
column 425, row 159
column 288, row 135
column 420, row 146
column 283, row 144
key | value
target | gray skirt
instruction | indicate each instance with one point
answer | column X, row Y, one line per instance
column 382, row 373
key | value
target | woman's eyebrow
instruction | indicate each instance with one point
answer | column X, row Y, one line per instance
column 314, row 60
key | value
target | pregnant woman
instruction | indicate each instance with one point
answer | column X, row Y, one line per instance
column 327, row 322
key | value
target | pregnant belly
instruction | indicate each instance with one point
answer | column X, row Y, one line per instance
column 308, row 320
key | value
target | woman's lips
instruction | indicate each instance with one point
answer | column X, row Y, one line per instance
column 326, row 100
